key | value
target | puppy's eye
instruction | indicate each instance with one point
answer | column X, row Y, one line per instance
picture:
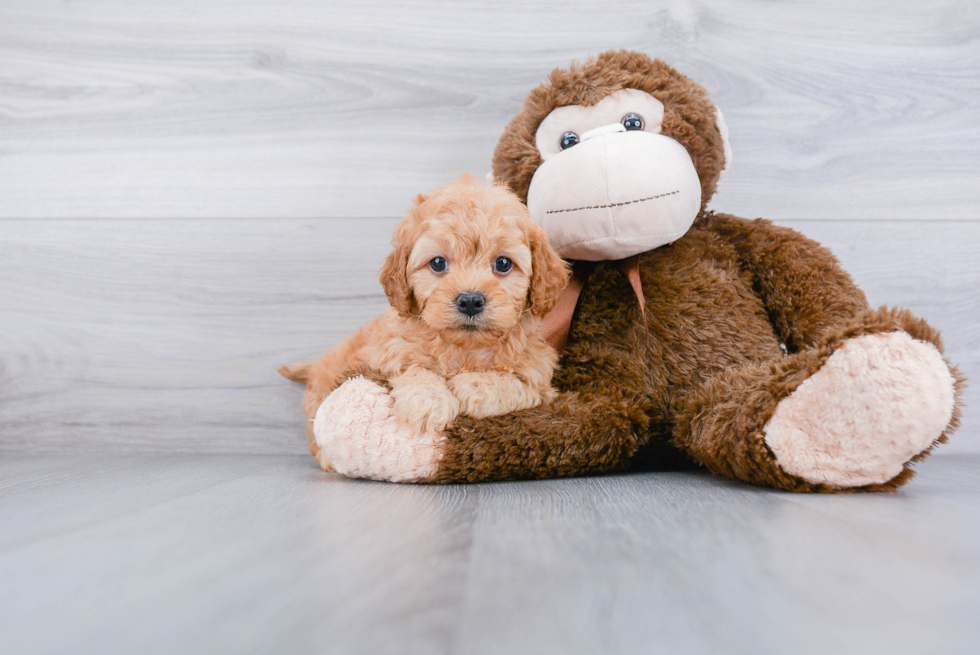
column 502, row 265
column 633, row 122
column 438, row 265
column 568, row 139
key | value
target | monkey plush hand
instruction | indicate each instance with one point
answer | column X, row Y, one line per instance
column 693, row 337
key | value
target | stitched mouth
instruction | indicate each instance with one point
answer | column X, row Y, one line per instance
column 614, row 204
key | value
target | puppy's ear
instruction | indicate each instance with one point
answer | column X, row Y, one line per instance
column 549, row 273
column 394, row 275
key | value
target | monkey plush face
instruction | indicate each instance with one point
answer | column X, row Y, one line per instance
column 611, row 184
column 614, row 157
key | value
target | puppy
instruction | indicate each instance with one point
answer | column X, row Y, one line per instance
column 468, row 280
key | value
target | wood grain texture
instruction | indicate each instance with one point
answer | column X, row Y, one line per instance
column 123, row 109
column 268, row 554
column 163, row 335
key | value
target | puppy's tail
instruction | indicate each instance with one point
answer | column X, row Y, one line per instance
column 296, row 372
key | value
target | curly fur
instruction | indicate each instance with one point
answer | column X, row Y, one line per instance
column 437, row 362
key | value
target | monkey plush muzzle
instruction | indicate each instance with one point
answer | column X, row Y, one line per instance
column 615, row 194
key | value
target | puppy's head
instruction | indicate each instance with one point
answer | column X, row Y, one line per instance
column 468, row 259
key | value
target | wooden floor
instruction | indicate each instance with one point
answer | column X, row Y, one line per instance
column 266, row 554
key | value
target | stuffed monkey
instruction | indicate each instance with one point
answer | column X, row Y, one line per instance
column 689, row 337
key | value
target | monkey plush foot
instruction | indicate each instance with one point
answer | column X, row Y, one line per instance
column 359, row 433
column 876, row 403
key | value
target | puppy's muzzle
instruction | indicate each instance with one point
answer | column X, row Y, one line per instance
column 470, row 304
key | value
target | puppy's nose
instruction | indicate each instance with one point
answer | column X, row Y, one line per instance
column 470, row 304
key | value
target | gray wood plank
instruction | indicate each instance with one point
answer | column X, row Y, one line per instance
column 284, row 559
column 212, row 110
column 692, row 564
column 36, row 491
column 280, row 557
column 163, row 336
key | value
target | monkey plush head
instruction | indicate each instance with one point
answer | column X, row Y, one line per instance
column 615, row 156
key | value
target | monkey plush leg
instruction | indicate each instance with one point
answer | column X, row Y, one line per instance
column 851, row 413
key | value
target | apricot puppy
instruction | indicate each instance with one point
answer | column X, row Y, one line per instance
column 469, row 278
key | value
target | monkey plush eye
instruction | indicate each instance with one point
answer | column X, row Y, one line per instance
column 502, row 265
column 438, row 264
column 633, row 122
column 568, row 139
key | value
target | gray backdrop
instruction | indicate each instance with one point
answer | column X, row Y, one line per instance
column 191, row 195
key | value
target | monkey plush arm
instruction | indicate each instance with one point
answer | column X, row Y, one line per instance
column 804, row 288
column 598, row 422
column 362, row 436
column 597, row 427
column 591, row 430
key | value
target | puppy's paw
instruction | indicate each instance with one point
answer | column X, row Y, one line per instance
column 476, row 395
column 491, row 394
column 425, row 406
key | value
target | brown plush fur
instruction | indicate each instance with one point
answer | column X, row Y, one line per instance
column 697, row 376
column 700, row 374
column 438, row 362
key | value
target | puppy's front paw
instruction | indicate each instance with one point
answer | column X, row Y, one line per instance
column 491, row 394
column 425, row 407
column 476, row 396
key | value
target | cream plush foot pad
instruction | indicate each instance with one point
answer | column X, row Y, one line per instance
column 876, row 403
column 363, row 438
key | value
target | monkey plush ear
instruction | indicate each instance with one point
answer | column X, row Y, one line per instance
column 549, row 273
column 723, row 128
column 394, row 278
